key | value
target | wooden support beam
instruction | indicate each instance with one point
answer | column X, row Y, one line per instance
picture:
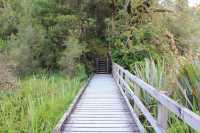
column 137, row 92
column 162, row 115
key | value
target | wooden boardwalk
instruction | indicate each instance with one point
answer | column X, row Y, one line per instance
column 112, row 104
column 102, row 108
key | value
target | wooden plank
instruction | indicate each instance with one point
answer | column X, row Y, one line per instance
column 101, row 110
column 104, row 109
column 137, row 92
column 102, row 113
column 101, row 119
column 101, row 125
column 99, row 129
column 189, row 117
column 102, row 97
column 98, row 132
column 99, row 116
column 162, row 116
column 100, row 122
column 89, row 106
column 102, row 100
column 100, row 105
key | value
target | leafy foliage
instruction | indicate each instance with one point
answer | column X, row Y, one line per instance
column 71, row 55
column 38, row 33
column 188, row 81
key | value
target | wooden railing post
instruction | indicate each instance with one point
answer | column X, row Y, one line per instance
column 107, row 65
column 162, row 115
column 137, row 92
column 124, row 79
column 119, row 71
column 123, row 76
column 97, row 64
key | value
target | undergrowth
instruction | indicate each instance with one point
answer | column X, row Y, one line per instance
column 38, row 105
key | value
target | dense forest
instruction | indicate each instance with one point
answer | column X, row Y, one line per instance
column 47, row 49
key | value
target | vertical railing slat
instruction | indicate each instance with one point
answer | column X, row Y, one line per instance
column 137, row 92
column 162, row 115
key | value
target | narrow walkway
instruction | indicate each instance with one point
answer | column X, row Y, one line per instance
column 102, row 108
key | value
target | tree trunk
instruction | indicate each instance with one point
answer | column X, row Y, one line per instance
column 113, row 16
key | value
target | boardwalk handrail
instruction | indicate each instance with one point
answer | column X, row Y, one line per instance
column 123, row 77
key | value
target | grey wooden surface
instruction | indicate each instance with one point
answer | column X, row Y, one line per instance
column 102, row 108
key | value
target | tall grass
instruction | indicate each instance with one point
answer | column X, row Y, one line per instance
column 188, row 81
column 38, row 105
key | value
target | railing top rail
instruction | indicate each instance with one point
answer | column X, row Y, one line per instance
column 189, row 117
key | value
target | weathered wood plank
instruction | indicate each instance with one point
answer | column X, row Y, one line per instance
column 102, row 101
column 100, row 132
column 99, row 106
column 100, row 129
column 100, row 122
column 162, row 116
column 102, row 119
column 101, row 125
column 101, row 110
column 102, row 113
column 101, row 97
column 103, row 107
column 100, row 116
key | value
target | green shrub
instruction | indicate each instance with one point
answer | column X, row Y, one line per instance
column 71, row 55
